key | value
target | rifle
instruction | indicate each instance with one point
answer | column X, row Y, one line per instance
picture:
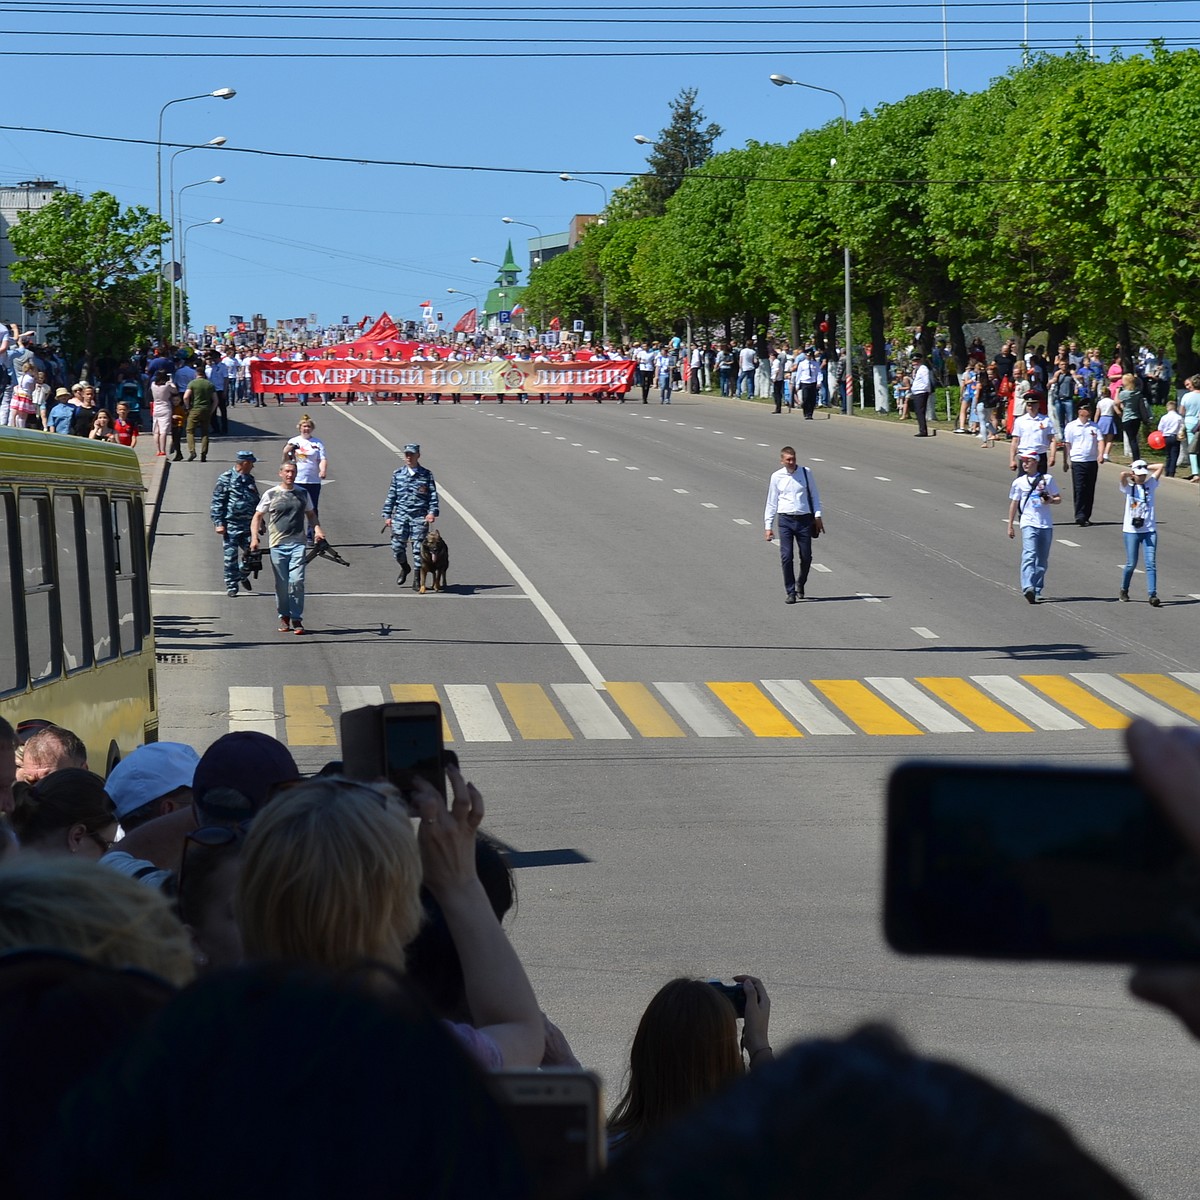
column 322, row 549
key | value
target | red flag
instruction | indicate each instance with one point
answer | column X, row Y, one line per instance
column 516, row 312
column 426, row 304
column 467, row 322
column 555, row 323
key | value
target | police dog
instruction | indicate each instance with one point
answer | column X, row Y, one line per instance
column 435, row 559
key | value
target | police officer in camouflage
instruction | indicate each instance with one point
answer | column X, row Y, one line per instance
column 410, row 509
column 234, row 500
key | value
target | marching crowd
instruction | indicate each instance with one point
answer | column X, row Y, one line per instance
column 220, row 977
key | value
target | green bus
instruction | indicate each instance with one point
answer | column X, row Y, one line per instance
column 76, row 637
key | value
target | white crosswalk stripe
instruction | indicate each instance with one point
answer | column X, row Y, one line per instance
column 476, row 713
column 1025, row 702
column 588, row 709
column 914, row 703
column 253, row 708
column 689, row 701
column 1125, row 696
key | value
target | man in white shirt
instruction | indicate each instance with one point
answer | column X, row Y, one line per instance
column 792, row 497
column 1030, row 498
column 1033, row 434
column 1083, row 440
column 919, row 393
column 747, row 364
column 808, row 375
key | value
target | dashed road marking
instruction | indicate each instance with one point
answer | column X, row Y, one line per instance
column 740, row 521
column 869, row 598
column 883, row 479
column 1065, row 542
column 682, row 491
column 960, row 504
column 921, row 491
column 921, row 631
column 705, row 504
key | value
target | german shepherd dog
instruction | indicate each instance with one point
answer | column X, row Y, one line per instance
column 435, row 559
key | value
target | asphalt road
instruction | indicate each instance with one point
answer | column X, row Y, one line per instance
column 693, row 770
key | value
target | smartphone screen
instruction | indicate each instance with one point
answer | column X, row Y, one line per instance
column 412, row 744
column 1011, row 862
column 556, row 1119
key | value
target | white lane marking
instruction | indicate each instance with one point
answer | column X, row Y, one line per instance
column 822, row 568
column 740, row 521
column 916, row 704
column 921, row 491
column 816, row 460
column 1065, row 542
column 719, row 432
column 883, row 479
column 591, row 672
column 682, row 423
column 589, row 711
column 762, row 444
column 476, row 713
column 399, row 594
column 577, row 445
column 358, row 695
column 1193, row 596
column 521, row 423
column 252, row 708
column 1025, row 702
column 633, row 468
column 664, row 420
column 593, row 451
column 738, row 439
column 804, row 707
column 682, row 491
column 844, row 468
column 1129, row 698
column 612, row 460
column 560, row 438
column 960, row 504
column 705, row 504
column 691, row 703
column 868, row 597
column 921, row 631
column 654, row 478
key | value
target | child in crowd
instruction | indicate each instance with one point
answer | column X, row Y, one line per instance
column 102, row 428
column 903, row 391
column 124, row 431
column 1170, row 425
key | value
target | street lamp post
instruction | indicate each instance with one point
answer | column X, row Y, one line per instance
column 225, row 93
column 459, row 292
column 848, row 390
column 183, row 259
column 603, row 279
column 212, row 142
column 537, row 258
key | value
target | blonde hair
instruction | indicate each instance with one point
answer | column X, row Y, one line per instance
column 331, row 874
column 68, row 904
column 305, row 420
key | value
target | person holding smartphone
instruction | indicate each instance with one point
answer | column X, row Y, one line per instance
column 1030, row 498
column 1138, row 485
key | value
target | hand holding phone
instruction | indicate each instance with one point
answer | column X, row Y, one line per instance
column 447, row 836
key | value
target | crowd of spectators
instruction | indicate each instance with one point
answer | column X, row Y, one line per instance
column 276, row 985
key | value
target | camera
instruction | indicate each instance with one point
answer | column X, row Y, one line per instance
column 1137, row 522
column 734, row 993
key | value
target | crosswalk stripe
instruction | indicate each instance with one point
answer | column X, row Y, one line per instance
column 754, row 710
column 688, row 701
column 587, row 709
column 1020, row 698
column 354, row 695
column 864, row 708
column 806, row 710
column 643, row 711
column 1127, row 697
column 1170, row 692
column 476, row 713
column 1078, row 700
column 252, row 708
column 909, row 698
column 305, row 719
column 408, row 693
column 974, row 705
column 1191, row 678
column 536, row 718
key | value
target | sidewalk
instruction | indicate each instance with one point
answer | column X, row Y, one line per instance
column 154, row 476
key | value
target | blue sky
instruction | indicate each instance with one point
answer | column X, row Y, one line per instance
column 302, row 236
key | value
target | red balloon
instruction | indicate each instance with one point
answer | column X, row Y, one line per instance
column 1157, row 441
column 824, row 326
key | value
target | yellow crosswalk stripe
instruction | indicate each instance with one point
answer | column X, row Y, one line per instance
column 536, row 718
column 408, row 693
column 967, row 699
column 865, row 708
column 1169, row 691
column 1078, row 701
column 305, row 719
column 754, row 710
column 643, row 711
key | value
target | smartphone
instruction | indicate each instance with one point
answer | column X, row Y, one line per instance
column 396, row 742
column 993, row 861
column 557, row 1117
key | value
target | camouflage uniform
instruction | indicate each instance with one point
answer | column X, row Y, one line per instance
column 234, row 500
column 413, row 494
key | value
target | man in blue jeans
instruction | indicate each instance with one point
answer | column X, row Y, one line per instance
column 286, row 508
column 1030, row 498
column 792, row 496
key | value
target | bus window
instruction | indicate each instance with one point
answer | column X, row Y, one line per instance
column 41, row 626
column 67, row 513
column 127, row 558
column 10, row 675
column 104, row 642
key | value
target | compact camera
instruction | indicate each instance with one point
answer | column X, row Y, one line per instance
column 1137, row 522
column 734, row 993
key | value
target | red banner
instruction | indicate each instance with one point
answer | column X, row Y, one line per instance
column 500, row 378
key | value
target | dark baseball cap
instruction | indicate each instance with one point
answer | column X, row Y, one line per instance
column 238, row 773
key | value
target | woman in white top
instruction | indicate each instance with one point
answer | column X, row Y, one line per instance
column 308, row 453
column 1108, row 418
column 1139, row 527
column 163, row 398
column 1189, row 409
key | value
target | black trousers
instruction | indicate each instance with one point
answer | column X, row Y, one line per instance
column 917, row 403
column 1083, row 480
column 795, row 528
column 645, row 379
column 1130, row 429
column 808, row 399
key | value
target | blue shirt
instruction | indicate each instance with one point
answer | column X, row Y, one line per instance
column 61, row 416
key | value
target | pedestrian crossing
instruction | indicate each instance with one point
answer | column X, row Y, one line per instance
column 876, row 706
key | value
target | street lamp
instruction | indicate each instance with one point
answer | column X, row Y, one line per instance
column 643, row 140
column 788, row 81
column 183, row 257
column 537, row 258
column 603, row 278
column 459, row 292
column 225, row 93
column 487, row 263
column 212, row 142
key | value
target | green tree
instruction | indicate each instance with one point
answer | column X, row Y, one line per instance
column 681, row 148
column 85, row 262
